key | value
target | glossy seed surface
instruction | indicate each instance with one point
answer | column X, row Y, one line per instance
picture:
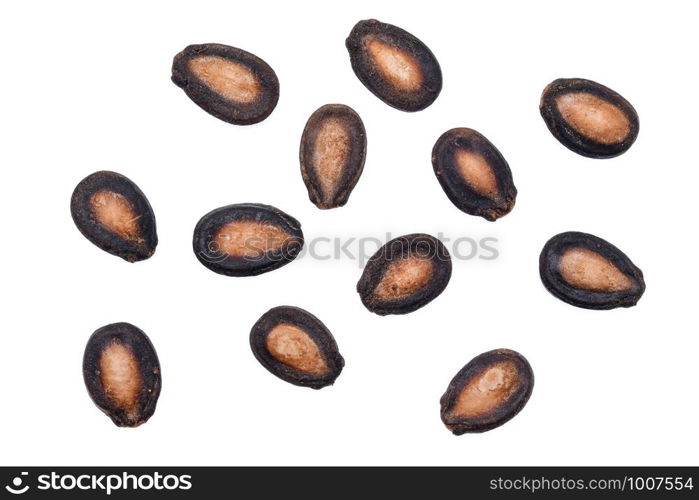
column 114, row 214
column 122, row 373
column 589, row 118
column 297, row 347
column 231, row 84
column 247, row 239
column 405, row 274
column 586, row 271
column 487, row 392
column 332, row 154
column 474, row 174
column 394, row 65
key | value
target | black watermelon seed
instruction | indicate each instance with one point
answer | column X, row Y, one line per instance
column 394, row 65
column 297, row 347
column 473, row 174
column 405, row 274
column 247, row 239
column 113, row 213
column 589, row 118
column 487, row 392
column 122, row 373
column 586, row 271
column 332, row 154
column 233, row 85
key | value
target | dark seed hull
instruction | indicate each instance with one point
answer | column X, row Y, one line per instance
column 237, row 113
column 401, row 247
column 367, row 72
column 502, row 413
column 314, row 328
column 568, row 135
column 557, row 285
column 138, row 343
column 211, row 257
column 353, row 165
column 461, row 194
column 93, row 230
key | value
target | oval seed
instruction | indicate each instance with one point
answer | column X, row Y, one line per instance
column 114, row 214
column 332, row 154
column 122, row 373
column 405, row 274
column 589, row 272
column 247, row 239
column 229, row 83
column 297, row 347
column 589, row 118
column 394, row 65
column 473, row 174
column 487, row 392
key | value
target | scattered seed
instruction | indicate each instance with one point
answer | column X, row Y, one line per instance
column 473, row 174
column 405, row 274
column 332, row 154
column 122, row 373
column 589, row 118
column 394, row 65
column 589, row 272
column 487, row 392
column 297, row 347
column 247, row 239
column 229, row 83
column 113, row 213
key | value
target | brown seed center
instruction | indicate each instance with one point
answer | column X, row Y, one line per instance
column 120, row 376
column 594, row 117
column 117, row 214
column 331, row 150
column 246, row 238
column 477, row 173
column 295, row 348
column 404, row 277
column 584, row 269
column 401, row 69
column 487, row 391
column 230, row 79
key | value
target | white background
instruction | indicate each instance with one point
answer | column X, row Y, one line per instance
column 85, row 87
